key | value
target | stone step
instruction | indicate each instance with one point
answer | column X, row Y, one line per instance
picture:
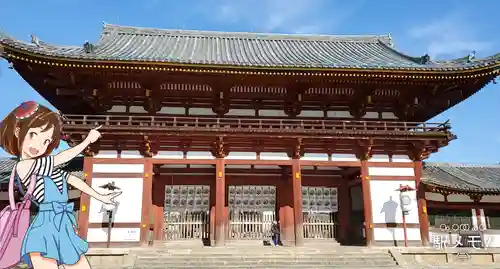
column 258, row 253
column 268, row 260
column 275, row 251
column 262, row 266
column 263, row 258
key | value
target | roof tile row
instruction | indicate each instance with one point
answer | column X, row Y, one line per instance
column 121, row 43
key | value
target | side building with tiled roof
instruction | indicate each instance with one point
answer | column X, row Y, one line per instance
column 463, row 197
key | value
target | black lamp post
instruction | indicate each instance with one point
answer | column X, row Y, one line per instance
column 109, row 209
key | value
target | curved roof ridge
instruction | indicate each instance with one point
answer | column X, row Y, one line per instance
column 445, row 164
column 415, row 59
column 121, row 29
column 463, row 60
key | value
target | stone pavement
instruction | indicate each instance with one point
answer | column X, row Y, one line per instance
column 174, row 256
column 186, row 256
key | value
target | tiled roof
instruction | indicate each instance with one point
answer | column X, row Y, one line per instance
column 122, row 43
column 462, row 177
column 7, row 164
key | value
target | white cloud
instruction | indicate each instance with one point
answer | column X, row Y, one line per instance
column 454, row 35
column 289, row 16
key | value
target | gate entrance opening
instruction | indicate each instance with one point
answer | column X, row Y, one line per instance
column 319, row 207
column 251, row 212
column 186, row 213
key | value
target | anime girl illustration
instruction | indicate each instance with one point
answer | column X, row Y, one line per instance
column 31, row 132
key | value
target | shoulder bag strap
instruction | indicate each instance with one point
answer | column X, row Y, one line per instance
column 12, row 202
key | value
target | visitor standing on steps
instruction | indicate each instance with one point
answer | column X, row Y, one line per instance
column 275, row 233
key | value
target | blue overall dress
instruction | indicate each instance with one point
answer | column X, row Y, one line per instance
column 52, row 231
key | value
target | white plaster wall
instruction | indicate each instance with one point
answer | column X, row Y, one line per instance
column 344, row 157
column 388, row 115
column 391, row 171
column 491, row 199
column 274, row 156
column 130, row 154
column 199, row 155
column 177, row 155
column 129, row 202
column 117, row 235
column 242, row 156
column 311, row 113
column 172, row 110
column 401, row 159
column 241, row 112
column 137, row 109
column 434, row 196
column 391, row 234
column 338, row 114
column 379, row 158
column 117, row 168
column 112, row 154
column 201, row 111
column 385, row 202
column 315, row 157
column 370, row 115
column 272, row 113
column 117, row 109
column 459, row 198
column 107, row 154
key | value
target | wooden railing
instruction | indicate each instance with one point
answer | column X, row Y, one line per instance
column 234, row 124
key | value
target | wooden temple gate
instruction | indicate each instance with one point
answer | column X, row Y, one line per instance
column 359, row 110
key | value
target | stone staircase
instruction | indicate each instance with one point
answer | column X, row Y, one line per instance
column 177, row 256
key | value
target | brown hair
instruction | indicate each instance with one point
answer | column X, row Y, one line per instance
column 40, row 118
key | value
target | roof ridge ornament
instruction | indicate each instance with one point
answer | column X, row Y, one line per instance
column 88, row 47
column 35, row 40
column 471, row 56
column 391, row 43
column 425, row 59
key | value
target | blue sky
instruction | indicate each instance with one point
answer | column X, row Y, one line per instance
column 444, row 29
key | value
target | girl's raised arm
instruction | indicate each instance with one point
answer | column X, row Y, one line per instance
column 71, row 153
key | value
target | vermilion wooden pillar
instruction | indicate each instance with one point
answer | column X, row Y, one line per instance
column 158, row 208
column 147, row 201
column 285, row 205
column 344, row 209
column 220, row 200
column 83, row 214
column 367, row 203
column 297, row 202
column 423, row 218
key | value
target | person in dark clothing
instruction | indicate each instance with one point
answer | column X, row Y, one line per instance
column 275, row 233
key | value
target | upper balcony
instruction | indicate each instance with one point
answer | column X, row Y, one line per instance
column 256, row 127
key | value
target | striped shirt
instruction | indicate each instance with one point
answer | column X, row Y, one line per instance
column 44, row 167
